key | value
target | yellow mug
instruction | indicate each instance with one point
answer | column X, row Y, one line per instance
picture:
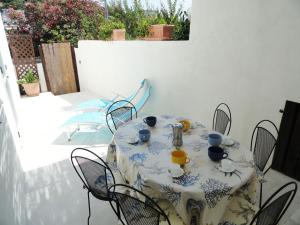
column 180, row 157
column 186, row 125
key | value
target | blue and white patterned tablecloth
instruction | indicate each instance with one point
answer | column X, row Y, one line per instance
column 146, row 166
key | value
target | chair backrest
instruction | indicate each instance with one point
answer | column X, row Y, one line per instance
column 143, row 90
column 144, row 96
column 274, row 208
column 117, row 115
column 222, row 119
column 136, row 207
column 133, row 95
column 93, row 172
column 263, row 143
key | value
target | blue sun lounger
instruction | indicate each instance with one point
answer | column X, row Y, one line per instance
column 97, row 119
column 103, row 104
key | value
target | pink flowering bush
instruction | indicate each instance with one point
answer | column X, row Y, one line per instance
column 59, row 20
column 18, row 21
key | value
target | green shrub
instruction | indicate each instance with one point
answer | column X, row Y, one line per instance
column 170, row 13
column 182, row 27
column 98, row 28
column 136, row 19
column 107, row 28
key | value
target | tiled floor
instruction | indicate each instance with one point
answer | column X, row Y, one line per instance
column 53, row 192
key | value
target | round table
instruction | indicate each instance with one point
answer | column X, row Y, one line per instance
column 146, row 166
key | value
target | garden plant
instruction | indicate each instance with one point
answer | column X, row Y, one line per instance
column 52, row 21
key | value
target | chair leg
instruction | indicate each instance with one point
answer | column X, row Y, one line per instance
column 89, row 205
column 118, row 210
column 260, row 195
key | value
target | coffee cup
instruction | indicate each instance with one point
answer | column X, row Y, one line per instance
column 186, row 125
column 216, row 153
column 214, row 139
column 150, row 121
column 144, row 135
column 180, row 157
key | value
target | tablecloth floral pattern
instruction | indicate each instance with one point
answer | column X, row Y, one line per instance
column 146, row 167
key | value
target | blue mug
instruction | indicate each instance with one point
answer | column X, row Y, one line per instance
column 214, row 139
column 144, row 135
column 216, row 153
column 150, row 121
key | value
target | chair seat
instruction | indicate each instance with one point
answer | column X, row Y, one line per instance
column 94, row 104
column 170, row 211
column 86, row 118
column 239, row 212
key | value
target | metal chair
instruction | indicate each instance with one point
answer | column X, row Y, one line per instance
column 273, row 209
column 262, row 145
column 222, row 120
column 94, row 173
column 119, row 113
column 135, row 207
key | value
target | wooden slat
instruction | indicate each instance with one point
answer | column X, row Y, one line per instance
column 59, row 68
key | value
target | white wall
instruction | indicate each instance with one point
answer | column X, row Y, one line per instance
column 243, row 52
column 11, row 178
column 11, row 173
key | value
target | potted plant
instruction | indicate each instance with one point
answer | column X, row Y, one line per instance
column 30, row 83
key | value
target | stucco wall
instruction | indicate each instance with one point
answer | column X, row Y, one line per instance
column 11, row 173
column 245, row 53
column 11, row 178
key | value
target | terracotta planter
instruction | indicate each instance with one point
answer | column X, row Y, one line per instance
column 161, row 32
column 32, row 89
column 118, row 35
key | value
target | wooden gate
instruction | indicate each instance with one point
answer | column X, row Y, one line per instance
column 59, row 68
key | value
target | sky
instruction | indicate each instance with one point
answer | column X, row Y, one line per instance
column 187, row 4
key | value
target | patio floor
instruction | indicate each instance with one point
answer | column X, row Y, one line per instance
column 43, row 140
column 52, row 191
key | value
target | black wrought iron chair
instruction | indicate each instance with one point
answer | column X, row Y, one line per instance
column 242, row 211
column 95, row 174
column 263, row 143
column 222, row 120
column 119, row 113
column 135, row 207
column 274, row 208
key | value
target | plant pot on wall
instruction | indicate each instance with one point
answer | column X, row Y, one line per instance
column 32, row 89
column 160, row 32
column 118, row 35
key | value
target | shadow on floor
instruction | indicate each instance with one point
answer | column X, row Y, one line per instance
column 54, row 195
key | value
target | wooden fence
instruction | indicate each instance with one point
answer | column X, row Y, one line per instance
column 59, row 68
